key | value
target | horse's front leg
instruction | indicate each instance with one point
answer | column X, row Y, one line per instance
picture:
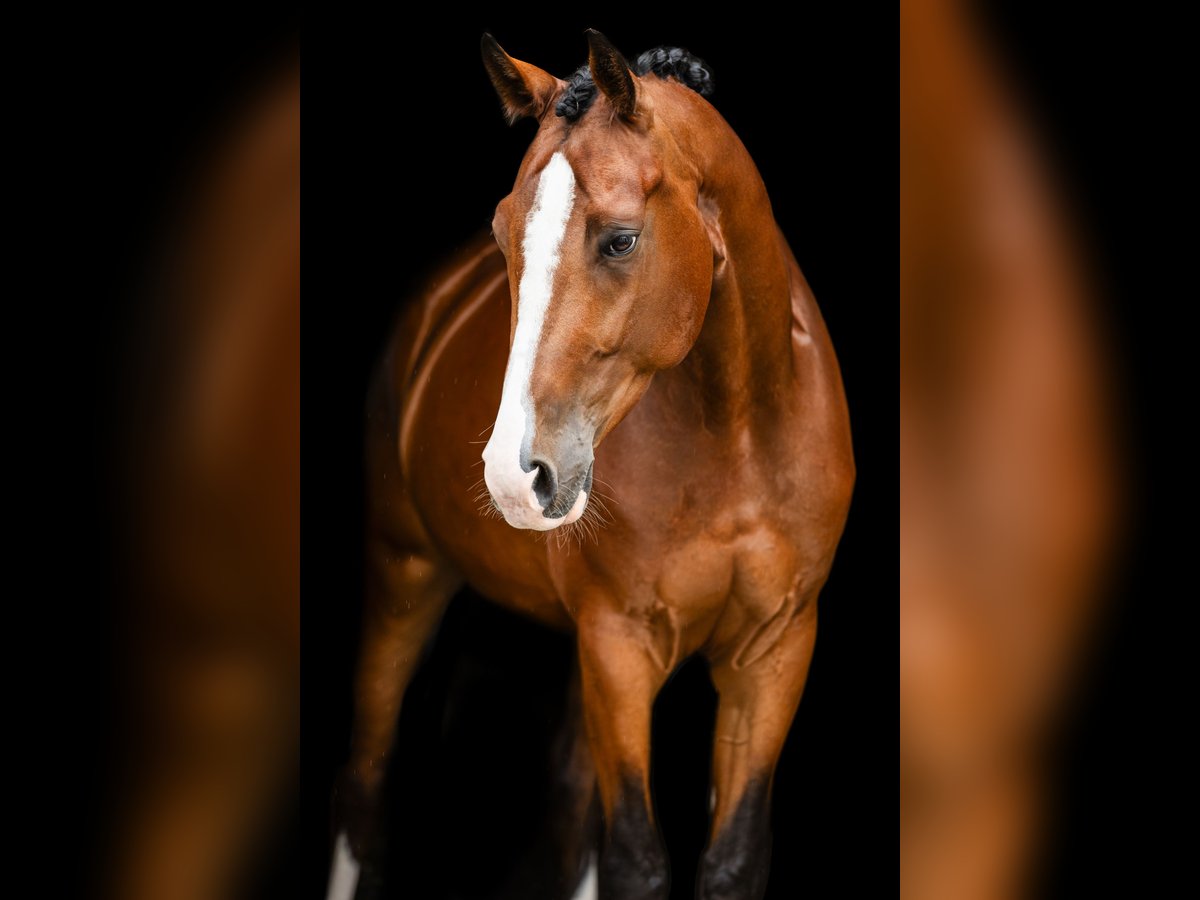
column 757, row 702
column 407, row 592
column 621, row 675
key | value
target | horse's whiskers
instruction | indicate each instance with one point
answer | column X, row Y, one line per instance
column 606, row 484
column 485, row 505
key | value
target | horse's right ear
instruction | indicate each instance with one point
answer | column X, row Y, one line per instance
column 524, row 90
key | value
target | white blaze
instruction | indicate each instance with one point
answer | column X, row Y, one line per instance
column 510, row 485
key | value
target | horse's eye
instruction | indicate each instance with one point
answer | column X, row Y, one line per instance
column 621, row 245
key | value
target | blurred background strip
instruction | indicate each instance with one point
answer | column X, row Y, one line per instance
column 1007, row 465
column 208, row 469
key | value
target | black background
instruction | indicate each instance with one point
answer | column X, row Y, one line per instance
column 405, row 156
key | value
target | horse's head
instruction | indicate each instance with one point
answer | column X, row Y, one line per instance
column 610, row 266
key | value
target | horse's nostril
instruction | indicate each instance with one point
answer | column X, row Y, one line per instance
column 545, row 484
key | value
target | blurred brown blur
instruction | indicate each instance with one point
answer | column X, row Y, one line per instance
column 214, row 535
column 1006, row 468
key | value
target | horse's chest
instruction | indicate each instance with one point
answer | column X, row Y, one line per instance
column 696, row 578
column 719, row 586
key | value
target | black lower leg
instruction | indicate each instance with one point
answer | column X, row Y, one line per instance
column 736, row 864
column 634, row 863
column 559, row 854
column 357, row 816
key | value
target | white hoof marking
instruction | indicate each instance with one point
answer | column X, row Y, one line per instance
column 343, row 878
column 588, row 888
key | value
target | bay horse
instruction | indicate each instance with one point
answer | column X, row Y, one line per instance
column 667, row 402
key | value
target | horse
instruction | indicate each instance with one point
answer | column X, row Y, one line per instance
column 667, row 403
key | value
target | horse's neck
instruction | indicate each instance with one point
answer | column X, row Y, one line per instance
column 741, row 364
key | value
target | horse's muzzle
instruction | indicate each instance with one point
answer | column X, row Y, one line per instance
column 536, row 498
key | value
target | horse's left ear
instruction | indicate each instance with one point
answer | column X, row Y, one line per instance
column 612, row 74
column 524, row 89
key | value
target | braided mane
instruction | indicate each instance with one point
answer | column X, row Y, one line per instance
column 665, row 62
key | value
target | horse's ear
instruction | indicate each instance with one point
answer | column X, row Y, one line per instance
column 612, row 74
column 524, row 90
